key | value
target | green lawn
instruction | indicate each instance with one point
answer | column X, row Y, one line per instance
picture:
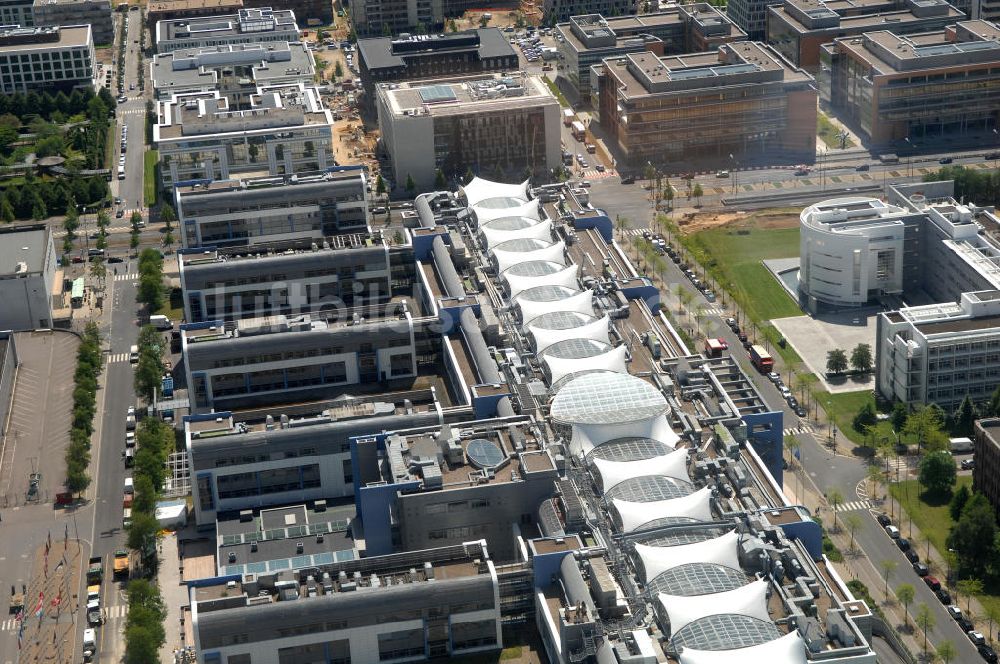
column 734, row 254
column 173, row 306
column 829, row 133
column 556, row 91
column 842, row 408
column 149, row 183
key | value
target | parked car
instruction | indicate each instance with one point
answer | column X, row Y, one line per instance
column 920, row 569
column 968, row 464
column 722, row 174
column 933, row 583
column 774, row 377
column 965, row 624
column 862, row 168
column 912, row 555
column 600, row 168
column 883, row 519
column 628, row 179
column 945, row 160
column 115, row 259
column 976, row 637
column 800, row 411
column 987, row 653
column 119, row 214
column 903, row 544
column 943, row 596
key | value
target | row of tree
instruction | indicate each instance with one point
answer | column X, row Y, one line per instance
column 88, row 367
column 971, row 185
column 154, row 441
column 149, row 370
column 150, row 290
column 27, row 106
column 144, row 630
column 38, row 198
column 861, row 359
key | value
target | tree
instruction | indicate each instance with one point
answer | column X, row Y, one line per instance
column 875, row 477
column 140, row 645
column 793, row 445
column 965, row 418
column 958, row 501
column 925, row 620
column 835, row 498
column 970, row 588
column 905, row 593
column 853, row 522
column 483, row 21
column 697, row 192
column 452, row 26
column 168, row 240
column 946, row 651
column 338, row 70
column 142, row 532
column 621, row 223
column 145, row 495
column 380, row 185
column 898, row 416
column 888, row 566
column 993, row 614
column 167, row 215
column 926, row 426
column 937, row 473
column 974, row 536
column 411, row 186
column 439, row 180
column 836, row 361
column 861, row 358
column 133, row 241
column 7, row 211
column 865, row 417
column 147, row 377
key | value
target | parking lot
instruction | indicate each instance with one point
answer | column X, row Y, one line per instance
column 38, row 431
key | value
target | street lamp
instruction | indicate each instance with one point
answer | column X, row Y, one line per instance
column 909, row 157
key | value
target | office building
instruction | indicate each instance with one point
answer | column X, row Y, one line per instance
column 751, row 16
column 27, row 275
column 309, row 12
column 390, row 17
column 275, row 359
column 274, row 278
column 443, row 602
column 940, row 353
column 559, row 11
column 988, row 10
column 384, row 59
column 986, row 472
column 798, row 28
column 235, row 213
column 283, row 129
column 741, row 102
column 236, row 69
column 166, row 10
column 879, row 81
column 448, row 485
column 34, row 59
column 8, row 372
column 53, row 13
column 17, row 12
column 304, row 451
column 589, row 39
column 247, row 26
column 509, row 123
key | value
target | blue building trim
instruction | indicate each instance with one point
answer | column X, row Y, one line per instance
column 766, row 433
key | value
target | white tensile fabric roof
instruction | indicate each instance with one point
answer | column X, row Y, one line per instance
column 789, row 649
column 636, row 515
column 555, row 252
column 582, row 302
column 719, row 550
column 614, row 473
column 480, row 189
column 542, row 230
column 613, row 360
column 565, row 277
column 749, row 600
column 596, row 330
column 527, row 209
column 588, row 436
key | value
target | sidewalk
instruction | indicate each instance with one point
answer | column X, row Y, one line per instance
column 175, row 596
column 52, row 603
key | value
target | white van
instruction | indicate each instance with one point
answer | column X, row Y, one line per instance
column 160, row 322
column 962, row 446
column 133, row 354
column 129, row 486
column 89, row 639
column 126, row 517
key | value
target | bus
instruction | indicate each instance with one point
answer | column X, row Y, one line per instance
column 761, row 359
column 578, row 130
column 568, row 116
column 76, row 294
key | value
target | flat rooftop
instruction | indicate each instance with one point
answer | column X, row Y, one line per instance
column 23, row 246
column 288, row 537
column 388, row 53
column 245, row 21
column 862, row 22
column 232, row 255
column 102, row 4
column 266, row 63
column 975, row 42
column 448, row 97
column 161, row 6
column 272, row 182
column 20, row 40
column 736, row 63
column 447, row 460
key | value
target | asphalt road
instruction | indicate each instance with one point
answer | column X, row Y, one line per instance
column 132, row 114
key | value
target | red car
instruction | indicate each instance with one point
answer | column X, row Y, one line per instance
column 932, row 583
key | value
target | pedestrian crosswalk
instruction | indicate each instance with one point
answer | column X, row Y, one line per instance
column 117, row 357
column 117, row 611
column 132, row 111
column 636, row 232
column 854, row 506
column 713, row 311
column 130, row 276
column 594, row 174
column 802, row 428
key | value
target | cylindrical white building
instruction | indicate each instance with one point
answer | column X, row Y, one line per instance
column 851, row 251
